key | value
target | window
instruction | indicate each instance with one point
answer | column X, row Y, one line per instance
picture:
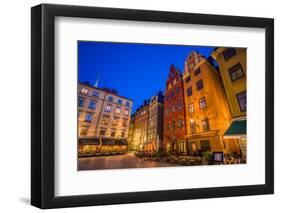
column 199, row 85
column 190, row 108
column 119, row 101
column 173, row 125
column 105, row 119
column 197, row 71
column 177, row 89
column 110, row 98
column 113, row 133
column 172, row 94
column 88, row 117
column 124, row 122
column 205, row 125
column 96, row 94
column 236, row 72
column 143, row 112
column 205, row 145
column 179, row 105
column 188, row 78
column 242, row 101
column 174, row 81
column 192, row 127
column 122, row 134
column 173, row 108
column 191, row 65
column 126, row 111
column 92, row 105
column 108, row 108
column 202, row 103
column 180, row 123
column 84, row 91
column 118, row 110
column 81, row 102
column 102, row 132
column 189, row 91
column 127, row 104
column 83, row 132
column 228, row 53
column 115, row 121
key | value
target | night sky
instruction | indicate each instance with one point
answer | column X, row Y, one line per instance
column 136, row 71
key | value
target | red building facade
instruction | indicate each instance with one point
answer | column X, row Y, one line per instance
column 174, row 114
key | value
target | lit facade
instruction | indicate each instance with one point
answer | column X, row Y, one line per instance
column 140, row 127
column 155, row 123
column 232, row 65
column 174, row 114
column 207, row 111
column 146, row 127
column 103, row 118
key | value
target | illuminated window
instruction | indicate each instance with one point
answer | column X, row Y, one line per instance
column 124, row 122
column 84, row 91
column 189, row 91
column 108, row 108
column 105, row 119
column 242, row 101
column 205, row 125
column 228, row 53
column 192, row 127
column 173, row 108
column 92, row 105
column 199, row 85
column 236, row 72
column 118, row 110
column 122, row 134
column 202, row 103
column 88, row 117
column 126, row 111
column 190, row 108
column 115, row 121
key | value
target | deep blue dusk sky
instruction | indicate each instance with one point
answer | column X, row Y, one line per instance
column 136, row 71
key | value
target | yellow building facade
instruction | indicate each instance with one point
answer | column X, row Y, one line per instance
column 207, row 111
column 233, row 70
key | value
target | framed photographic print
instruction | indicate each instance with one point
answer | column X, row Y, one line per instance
column 139, row 106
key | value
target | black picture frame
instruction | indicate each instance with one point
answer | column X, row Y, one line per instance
column 43, row 102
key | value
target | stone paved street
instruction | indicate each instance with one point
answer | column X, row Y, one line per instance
column 128, row 160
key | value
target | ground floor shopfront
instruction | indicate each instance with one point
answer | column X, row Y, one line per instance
column 94, row 146
column 205, row 142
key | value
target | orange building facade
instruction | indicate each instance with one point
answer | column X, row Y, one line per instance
column 207, row 112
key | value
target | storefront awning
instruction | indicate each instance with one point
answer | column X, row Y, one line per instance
column 89, row 141
column 237, row 128
column 105, row 141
